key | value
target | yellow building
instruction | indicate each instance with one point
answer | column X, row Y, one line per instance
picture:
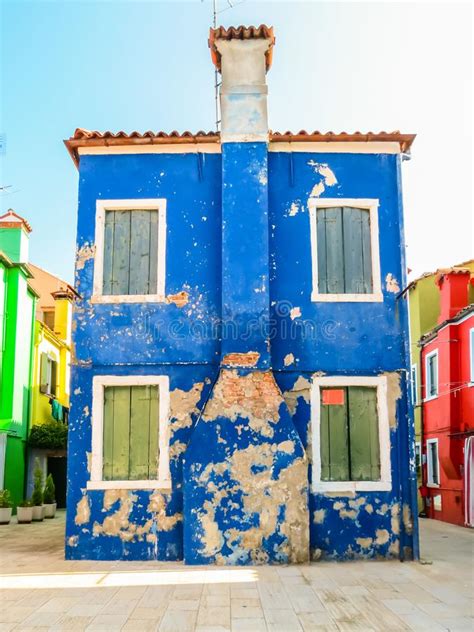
column 51, row 377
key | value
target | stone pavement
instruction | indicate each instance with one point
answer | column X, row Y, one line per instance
column 41, row 591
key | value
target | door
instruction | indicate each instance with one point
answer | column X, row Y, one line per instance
column 57, row 467
column 469, row 482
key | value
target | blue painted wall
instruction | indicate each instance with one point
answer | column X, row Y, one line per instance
column 181, row 342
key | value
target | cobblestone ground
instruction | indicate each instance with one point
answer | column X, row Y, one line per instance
column 42, row 591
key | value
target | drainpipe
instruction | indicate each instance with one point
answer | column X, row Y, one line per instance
column 30, row 394
column 406, row 441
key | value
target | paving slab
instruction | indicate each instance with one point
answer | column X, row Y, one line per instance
column 39, row 590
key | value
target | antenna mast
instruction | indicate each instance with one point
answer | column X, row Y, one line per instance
column 217, row 83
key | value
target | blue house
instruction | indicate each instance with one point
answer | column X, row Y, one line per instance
column 239, row 383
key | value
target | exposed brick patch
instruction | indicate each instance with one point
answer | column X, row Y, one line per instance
column 241, row 359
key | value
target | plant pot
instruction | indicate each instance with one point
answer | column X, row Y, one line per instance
column 5, row 515
column 24, row 515
column 49, row 510
column 38, row 513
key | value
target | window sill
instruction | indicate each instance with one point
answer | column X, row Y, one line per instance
column 98, row 485
column 352, row 486
column 433, row 485
column 429, row 399
column 127, row 298
column 376, row 297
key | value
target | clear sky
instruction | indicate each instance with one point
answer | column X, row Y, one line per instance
column 146, row 65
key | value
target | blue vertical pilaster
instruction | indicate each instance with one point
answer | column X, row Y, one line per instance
column 245, row 257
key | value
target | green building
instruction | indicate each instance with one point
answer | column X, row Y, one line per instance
column 17, row 319
column 424, row 301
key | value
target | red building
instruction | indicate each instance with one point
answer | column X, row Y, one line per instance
column 447, row 361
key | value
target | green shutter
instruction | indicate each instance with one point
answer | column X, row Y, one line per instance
column 121, row 253
column 364, row 435
column 54, row 377
column 153, row 454
column 107, row 285
column 130, row 252
column 334, row 442
column 321, row 238
column 121, row 439
column 368, row 285
column 44, row 373
column 334, row 251
column 433, row 369
column 108, row 434
column 140, row 251
column 344, row 251
column 130, row 436
column 139, row 432
column 357, row 252
column 153, row 272
column 324, row 440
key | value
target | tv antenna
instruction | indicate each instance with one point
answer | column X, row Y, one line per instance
column 217, row 82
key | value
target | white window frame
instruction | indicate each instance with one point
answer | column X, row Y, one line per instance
column 471, row 355
column 102, row 206
column 428, row 356
column 372, row 206
column 385, row 482
column 99, row 382
column 429, row 464
column 50, row 358
column 418, row 452
column 414, row 384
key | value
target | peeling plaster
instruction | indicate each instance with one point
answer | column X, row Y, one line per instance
column 157, row 505
column 262, row 495
column 301, row 389
column 382, row 536
column 395, row 520
column 84, row 254
column 391, row 284
column 180, row 299
column 394, row 393
column 407, row 519
column 319, row 516
column 295, row 312
column 83, row 511
column 294, row 208
column 289, row 359
column 329, row 179
column 183, row 404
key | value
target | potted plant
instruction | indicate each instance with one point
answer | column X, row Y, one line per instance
column 24, row 512
column 49, row 500
column 37, row 495
column 5, row 506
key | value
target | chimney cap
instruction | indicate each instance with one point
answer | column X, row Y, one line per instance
column 12, row 220
column 442, row 273
column 67, row 292
column 241, row 33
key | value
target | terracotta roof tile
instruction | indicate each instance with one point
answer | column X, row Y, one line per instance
column 12, row 220
column 241, row 33
column 85, row 134
column 405, row 140
column 87, row 138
